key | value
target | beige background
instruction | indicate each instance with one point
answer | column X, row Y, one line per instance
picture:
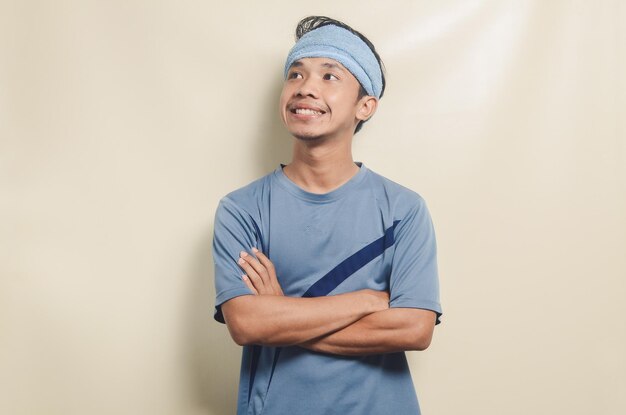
column 122, row 124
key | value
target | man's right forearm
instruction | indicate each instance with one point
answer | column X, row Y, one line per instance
column 274, row 320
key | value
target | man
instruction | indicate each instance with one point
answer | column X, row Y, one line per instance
column 326, row 271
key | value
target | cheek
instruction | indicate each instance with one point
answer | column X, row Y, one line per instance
column 284, row 97
column 282, row 104
column 339, row 103
column 338, row 99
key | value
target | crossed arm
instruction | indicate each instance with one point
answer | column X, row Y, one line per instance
column 356, row 323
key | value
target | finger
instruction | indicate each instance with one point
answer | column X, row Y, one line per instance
column 265, row 261
column 252, row 275
column 269, row 266
column 258, row 267
column 245, row 279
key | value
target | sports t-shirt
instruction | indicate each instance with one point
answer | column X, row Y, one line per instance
column 369, row 233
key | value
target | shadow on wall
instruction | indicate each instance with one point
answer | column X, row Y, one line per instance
column 212, row 358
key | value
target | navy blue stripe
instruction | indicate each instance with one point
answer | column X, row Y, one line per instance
column 258, row 232
column 276, row 355
column 256, row 351
column 328, row 283
column 352, row 264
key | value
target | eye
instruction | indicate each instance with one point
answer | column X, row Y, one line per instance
column 329, row 75
column 293, row 74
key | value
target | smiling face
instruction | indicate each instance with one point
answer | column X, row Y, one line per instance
column 320, row 100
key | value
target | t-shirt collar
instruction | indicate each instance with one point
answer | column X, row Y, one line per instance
column 320, row 197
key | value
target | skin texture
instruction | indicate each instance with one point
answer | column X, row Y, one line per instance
column 385, row 331
column 322, row 152
column 274, row 320
column 357, row 323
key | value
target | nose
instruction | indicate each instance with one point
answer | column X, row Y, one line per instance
column 307, row 87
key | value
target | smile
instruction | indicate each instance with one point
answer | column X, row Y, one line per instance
column 306, row 111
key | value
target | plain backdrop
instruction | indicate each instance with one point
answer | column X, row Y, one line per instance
column 122, row 123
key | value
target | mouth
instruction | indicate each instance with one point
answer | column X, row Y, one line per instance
column 306, row 111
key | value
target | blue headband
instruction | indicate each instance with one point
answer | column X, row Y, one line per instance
column 345, row 47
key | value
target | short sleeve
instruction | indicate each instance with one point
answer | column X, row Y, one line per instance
column 414, row 281
column 234, row 231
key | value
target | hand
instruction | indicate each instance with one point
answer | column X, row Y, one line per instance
column 260, row 274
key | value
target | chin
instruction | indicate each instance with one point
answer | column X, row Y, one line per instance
column 308, row 138
column 306, row 135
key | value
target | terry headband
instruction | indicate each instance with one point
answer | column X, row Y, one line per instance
column 345, row 47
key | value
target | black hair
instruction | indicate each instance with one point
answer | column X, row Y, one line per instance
column 315, row 22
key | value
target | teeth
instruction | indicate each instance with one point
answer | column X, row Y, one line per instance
column 307, row 111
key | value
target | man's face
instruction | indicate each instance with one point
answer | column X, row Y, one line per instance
column 319, row 99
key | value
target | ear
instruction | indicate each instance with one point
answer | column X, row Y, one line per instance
column 366, row 107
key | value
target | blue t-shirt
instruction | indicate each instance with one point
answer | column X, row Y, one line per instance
column 369, row 233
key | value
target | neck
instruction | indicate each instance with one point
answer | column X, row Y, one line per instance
column 321, row 167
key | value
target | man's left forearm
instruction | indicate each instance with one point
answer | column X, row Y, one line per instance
column 388, row 331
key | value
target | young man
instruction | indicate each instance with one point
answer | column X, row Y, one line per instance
column 326, row 271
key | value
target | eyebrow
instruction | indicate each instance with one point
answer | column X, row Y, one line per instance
column 330, row 65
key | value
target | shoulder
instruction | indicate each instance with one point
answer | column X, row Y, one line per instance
column 249, row 197
column 399, row 198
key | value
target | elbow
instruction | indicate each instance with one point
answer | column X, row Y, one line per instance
column 239, row 329
column 247, row 332
column 245, row 337
column 240, row 333
column 247, row 328
column 239, row 320
column 422, row 344
column 420, row 330
column 238, row 336
column 421, row 339
column 242, row 341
